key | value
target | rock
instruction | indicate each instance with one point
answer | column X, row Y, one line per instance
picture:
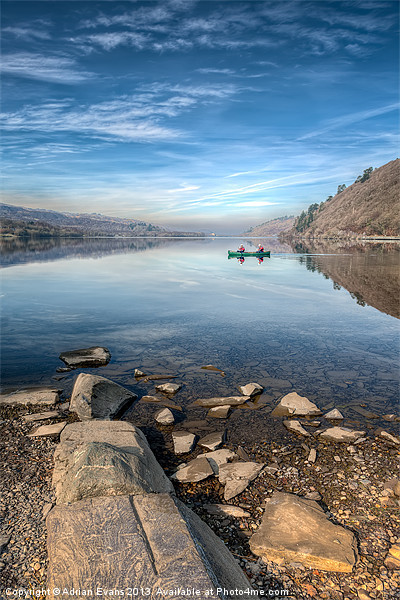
column 362, row 595
column 293, row 425
column 334, row 415
column 150, row 399
column 296, row 529
column 389, row 437
column 392, row 563
column 96, row 356
column 139, row 373
column 48, row 430
column 250, row 389
column 237, row 476
column 229, row 401
column 95, row 397
column 197, row 470
column 212, row 368
column 341, row 434
column 218, row 458
column 46, row 396
column 165, row 417
column 313, row 496
column 46, row 509
column 212, row 441
column 226, row 509
column 96, row 456
column 51, row 414
column 4, row 539
column 312, row 457
column 293, row 404
column 184, row 442
column 394, row 485
column 241, row 452
column 168, row 388
column 219, row 412
column 64, row 406
column 395, row 551
column 152, row 542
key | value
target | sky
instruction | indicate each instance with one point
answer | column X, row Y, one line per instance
column 197, row 115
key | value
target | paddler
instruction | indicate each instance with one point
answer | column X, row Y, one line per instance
column 241, row 248
column 260, row 248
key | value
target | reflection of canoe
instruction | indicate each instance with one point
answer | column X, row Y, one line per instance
column 239, row 254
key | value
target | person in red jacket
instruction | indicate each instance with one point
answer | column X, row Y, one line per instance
column 260, row 248
column 241, row 248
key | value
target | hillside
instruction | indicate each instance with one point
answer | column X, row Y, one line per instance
column 272, row 227
column 19, row 221
column 368, row 207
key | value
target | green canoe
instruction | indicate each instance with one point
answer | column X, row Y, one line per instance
column 236, row 254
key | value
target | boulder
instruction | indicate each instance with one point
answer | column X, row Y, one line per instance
column 168, row 388
column 334, row 415
column 97, row 455
column 293, row 425
column 226, row 510
column 219, row 412
column 95, row 397
column 45, row 396
column 197, row 470
column 229, row 401
column 341, row 434
column 165, row 417
column 237, row 476
column 184, row 441
column 250, row 389
column 295, row 529
column 95, row 356
column 293, row 404
column 212, row 441
column 152, row 542
column 218, row 458
column 48, row 430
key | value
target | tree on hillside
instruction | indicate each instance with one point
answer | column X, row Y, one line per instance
column 366, row 175
column 341, row 188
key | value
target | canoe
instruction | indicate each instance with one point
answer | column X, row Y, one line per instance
column 236, row 254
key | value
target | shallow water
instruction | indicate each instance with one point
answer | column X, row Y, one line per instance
column 317, row 320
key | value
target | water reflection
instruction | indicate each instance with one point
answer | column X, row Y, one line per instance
column 369, row 272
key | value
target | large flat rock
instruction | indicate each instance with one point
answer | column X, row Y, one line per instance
column 95, row 397
column 152, row 542
column 341, row 434
column 237, row 476
column 101, row 458
column 45, row 396
column 228, row 401
column 297, row 530
column 95, row 356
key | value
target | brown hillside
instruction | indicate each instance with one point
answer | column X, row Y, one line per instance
column 273, row 227
column 370, row 208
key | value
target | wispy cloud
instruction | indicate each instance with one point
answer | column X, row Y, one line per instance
column 57, row 69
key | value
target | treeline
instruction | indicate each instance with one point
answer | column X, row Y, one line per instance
column 35, row 229
column 304, row 220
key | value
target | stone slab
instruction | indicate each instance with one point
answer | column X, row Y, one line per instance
column 251, row 389
column 45, row 396
column 197, row 470
column 95, row 356
column 152, row 542
column 183, row 441
column 294, row 529
column 168, row 388
column 219, row 412
column 136, row 454
column 341, row 434
column 212, row 441
column 293, row 404
column 295, row 426
column 48, row 430
column 218, row 401
column 50, row 414
column 95, row 397
column 237, row 476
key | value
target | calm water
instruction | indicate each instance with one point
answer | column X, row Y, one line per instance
column 318, row 320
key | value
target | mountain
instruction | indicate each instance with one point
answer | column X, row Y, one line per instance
column 368, row 207
column 17, row 220
column 272, row 227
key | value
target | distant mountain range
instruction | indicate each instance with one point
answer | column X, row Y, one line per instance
column 272, row 227
column 367, row 208
column 21, row 221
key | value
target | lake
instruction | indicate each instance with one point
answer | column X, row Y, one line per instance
column 321, row 320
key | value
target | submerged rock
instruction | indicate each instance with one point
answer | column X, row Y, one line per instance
column 237, row 476
column 96, row 356
column 212, row 441
column 95, row 397
column 228, row 401
column 341, row 434
column 229, row 510
column 219, row 412
column 250, row 389
column 294, row 529
column 334, row 415
column 293, row 404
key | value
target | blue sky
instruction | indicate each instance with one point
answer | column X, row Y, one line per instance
column 195, row 114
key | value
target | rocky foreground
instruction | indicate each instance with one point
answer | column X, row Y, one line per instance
column 317, row 517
